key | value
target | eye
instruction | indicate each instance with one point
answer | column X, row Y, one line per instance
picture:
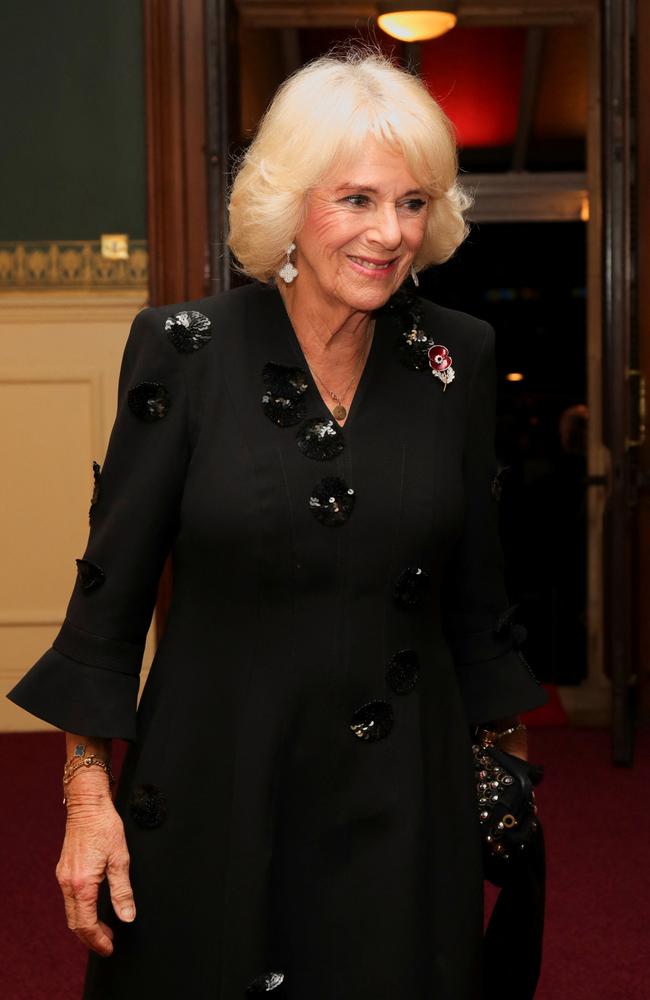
column 414, row 205
column 357, row 200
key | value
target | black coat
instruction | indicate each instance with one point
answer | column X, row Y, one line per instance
column 298, row 796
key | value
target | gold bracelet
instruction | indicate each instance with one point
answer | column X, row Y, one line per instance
column 488, row 737
column 78, row 763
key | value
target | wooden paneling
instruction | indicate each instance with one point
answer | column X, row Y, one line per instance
column 59, row 361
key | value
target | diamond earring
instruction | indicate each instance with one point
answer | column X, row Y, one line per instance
column 414, row 277
column 288, row 272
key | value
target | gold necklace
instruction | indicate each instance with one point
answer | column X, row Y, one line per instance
column 340, row 412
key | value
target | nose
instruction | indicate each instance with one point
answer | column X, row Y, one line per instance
column 386, row 230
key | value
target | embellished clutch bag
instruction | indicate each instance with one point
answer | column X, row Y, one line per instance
column 506, row 804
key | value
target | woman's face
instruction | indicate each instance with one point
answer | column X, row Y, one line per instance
column 364, row 225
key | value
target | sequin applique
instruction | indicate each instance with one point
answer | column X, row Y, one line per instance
column 332, row 501
column 266, row 982
column 149, row 401
column 148, row 806
column 320, row 439
column 372, row 721
column 90, row 574
column 188, row 330
column 97, row 475
column 282, row 401
column 413, row 344
column 402, row 673
column 410, row 585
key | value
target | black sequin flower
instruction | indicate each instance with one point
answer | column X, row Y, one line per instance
column 188, row 330
column 148, row 806
column 149, row 401
column 97, row 475
column 372, row 721
column 332, row 501
column 266, row 982
column 282, row 401
column 90, row 574
column 320, row 439
column 410, row 585
column 413, row 347
column 413, row 344
column 402, row 673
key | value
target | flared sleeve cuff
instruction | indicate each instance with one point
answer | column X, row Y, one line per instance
column 494, row 676
column 84, row 684
column 497, row 688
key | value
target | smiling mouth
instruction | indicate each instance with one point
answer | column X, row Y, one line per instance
column 373, row 265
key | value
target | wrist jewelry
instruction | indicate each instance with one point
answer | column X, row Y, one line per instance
column 488, row 737
column 78, row 763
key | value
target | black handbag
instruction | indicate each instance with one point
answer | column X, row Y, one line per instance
column 506, row 804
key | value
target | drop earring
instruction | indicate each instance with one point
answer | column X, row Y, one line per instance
column 288, row 271
column 414, row 277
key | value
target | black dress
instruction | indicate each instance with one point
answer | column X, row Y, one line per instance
column 298, row 796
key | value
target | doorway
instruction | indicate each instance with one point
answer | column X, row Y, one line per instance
column 531, row 267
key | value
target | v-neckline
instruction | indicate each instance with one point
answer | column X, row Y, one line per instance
column 299, row 354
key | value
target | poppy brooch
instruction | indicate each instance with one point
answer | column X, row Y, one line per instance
column 415, row 348
column 440, row 362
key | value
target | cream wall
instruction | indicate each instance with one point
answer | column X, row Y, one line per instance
column 59, row 362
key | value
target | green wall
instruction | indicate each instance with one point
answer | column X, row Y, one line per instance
column 72, row 141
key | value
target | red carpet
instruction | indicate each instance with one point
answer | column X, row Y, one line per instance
column 596, row 821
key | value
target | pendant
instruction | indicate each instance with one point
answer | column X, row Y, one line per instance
column 339, row 412
column 288, row 272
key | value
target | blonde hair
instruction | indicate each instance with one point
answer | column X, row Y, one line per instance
column 321, row 116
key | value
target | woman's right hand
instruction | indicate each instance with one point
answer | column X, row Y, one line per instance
column 94, row 848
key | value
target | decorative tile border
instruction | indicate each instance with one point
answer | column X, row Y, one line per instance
column 68, row 264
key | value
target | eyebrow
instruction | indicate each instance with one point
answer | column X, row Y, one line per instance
column 372, row 190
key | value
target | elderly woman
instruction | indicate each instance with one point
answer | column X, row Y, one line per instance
column 316, row 450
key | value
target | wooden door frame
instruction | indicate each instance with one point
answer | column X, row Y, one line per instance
column 643, row 317
column 622, row 430
column 590, row 702
column 187, row 165
column 177, row 169
column 177, row 162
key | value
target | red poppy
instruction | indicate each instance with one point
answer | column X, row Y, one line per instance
column 439, row 358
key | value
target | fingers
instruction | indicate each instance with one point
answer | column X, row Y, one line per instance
column 80, row 900
column 122, row 899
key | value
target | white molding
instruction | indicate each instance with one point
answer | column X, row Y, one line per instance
column 526, row 196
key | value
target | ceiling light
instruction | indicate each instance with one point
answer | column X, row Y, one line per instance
column 417, row 20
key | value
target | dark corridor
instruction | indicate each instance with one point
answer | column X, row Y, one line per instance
column 528, row 280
